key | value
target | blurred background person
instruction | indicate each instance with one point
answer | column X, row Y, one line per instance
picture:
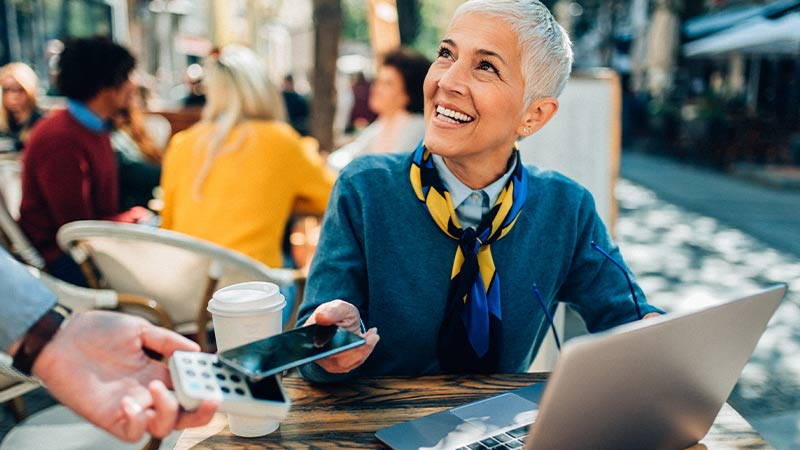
column 138, row 155
column 195, row 96
column 70, row 172
column 396, row 96
column 237, row 176
column 296, row 106
column 361, row 115
column 19, row 112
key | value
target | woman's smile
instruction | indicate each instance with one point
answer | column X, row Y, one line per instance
column 448, row 116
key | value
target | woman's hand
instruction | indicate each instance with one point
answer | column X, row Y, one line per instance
column 345, row 315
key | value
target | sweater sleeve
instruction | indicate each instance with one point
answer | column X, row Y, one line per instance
column 65, row 182
column 314, row 178
column 595, row 286
column 338, row 270
column 25, row 300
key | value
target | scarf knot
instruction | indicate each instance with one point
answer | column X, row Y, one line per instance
column 470, row 333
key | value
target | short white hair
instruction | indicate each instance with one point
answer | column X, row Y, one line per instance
column 546, row 48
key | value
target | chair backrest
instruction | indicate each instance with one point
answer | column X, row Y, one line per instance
column 77, row 298
column 170, row 267
column 11, row 387
column 11, row 185
column 10, row 199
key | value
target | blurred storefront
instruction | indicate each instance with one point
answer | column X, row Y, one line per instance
column 742, row 75
column 714, row 82
column 166, row 35
column 28, row 28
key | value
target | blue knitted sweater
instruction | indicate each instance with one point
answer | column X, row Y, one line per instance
column 381, row 251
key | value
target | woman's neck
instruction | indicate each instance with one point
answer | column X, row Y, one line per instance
column 22, row 116
column 395, row 115
column 479, row 171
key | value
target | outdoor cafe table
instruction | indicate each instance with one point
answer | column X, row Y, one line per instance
column 348, row 415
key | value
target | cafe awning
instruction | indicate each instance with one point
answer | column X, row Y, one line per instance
column 759, row 36
column 702, row 26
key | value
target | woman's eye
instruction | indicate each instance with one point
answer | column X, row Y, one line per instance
column 445, row 53
column 487, row 66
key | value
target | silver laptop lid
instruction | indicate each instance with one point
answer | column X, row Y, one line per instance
column 657, row 383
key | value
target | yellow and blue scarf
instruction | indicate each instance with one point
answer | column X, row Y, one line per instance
column 470, row 333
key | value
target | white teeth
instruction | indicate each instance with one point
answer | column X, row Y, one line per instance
column 449, row 113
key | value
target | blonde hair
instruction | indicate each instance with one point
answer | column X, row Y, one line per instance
column 26, row 77
column 238, row 89
column 546, row 47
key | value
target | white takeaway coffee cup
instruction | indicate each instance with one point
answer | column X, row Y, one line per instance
column 244, row 313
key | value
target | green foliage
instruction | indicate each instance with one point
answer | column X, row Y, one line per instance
column 430, row 29
column 354, row 21
column 424, row 39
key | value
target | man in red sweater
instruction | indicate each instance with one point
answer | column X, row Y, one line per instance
column 70, row 171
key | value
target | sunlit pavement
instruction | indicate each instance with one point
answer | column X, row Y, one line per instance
column 685, row 260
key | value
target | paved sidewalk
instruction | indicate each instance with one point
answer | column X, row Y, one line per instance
column 773, row 216
column 685, row 260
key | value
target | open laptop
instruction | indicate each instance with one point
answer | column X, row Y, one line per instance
column 657, row 384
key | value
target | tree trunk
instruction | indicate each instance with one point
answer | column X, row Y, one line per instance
column 409, row 20
column 327, row 27
column 663, row 46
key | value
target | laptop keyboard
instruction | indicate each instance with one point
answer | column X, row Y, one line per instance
column 509, row 439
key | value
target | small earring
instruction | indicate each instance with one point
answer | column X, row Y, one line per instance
column 527, row 130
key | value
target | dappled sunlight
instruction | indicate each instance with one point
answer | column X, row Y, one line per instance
column 685, row 261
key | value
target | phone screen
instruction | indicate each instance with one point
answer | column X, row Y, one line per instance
column 290, row 349
column 266, row 389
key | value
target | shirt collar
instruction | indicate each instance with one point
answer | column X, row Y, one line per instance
column 459, row 191
column 87, row 117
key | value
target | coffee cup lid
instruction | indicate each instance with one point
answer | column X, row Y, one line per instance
column 247, row 298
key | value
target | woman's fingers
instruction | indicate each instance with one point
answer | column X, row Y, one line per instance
column 337, row 312
column 346, row 361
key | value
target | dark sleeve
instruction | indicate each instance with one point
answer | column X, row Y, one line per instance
column 594, row 286
column 137, row 176
column 338, row 270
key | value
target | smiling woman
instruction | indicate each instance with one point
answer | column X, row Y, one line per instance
column 441, row 249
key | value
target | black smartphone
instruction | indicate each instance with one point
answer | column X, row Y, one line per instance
column 293, row 348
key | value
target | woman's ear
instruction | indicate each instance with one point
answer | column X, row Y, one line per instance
column 538, row 114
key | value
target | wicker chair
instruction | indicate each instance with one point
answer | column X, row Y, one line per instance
column 10, row 198
column 179, row 271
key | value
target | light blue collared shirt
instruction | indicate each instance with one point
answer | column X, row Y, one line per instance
column 87, row 117
column 471, row 204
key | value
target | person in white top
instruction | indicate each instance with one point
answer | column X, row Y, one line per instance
column 396, row 96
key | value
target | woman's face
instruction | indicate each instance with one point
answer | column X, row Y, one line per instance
column 388, row 92
column 15, row 99
column 474, row 91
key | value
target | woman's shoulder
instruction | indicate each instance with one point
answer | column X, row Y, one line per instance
column 377, row 168
column 274, row 128
column 190, row 135
column 544, row 182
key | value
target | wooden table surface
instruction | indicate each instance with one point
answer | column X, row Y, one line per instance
column 348, row 415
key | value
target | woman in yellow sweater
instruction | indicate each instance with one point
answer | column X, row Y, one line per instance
column 237, row 176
